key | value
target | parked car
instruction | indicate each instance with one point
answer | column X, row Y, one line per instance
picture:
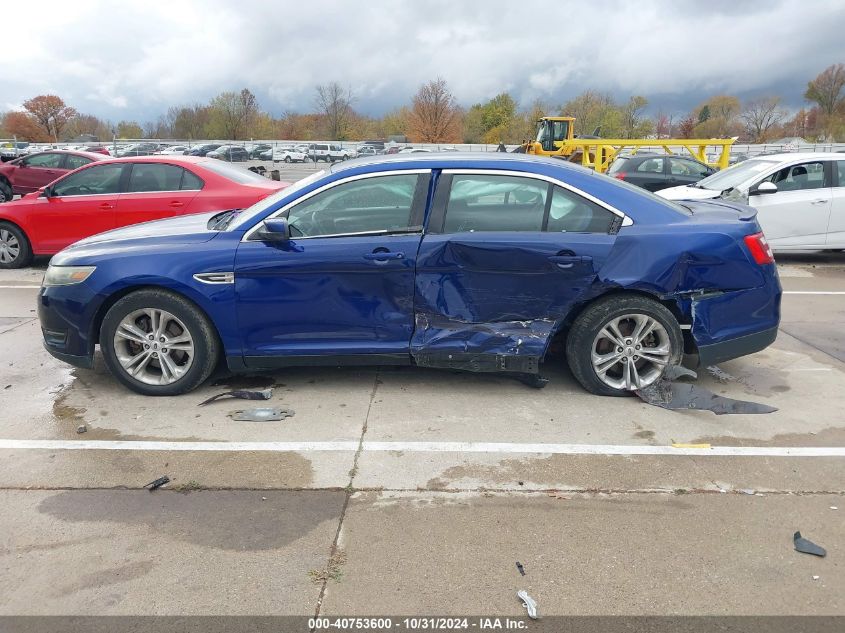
column 655, row 171
column 174, row 150
column 11, row 151
column 202, row 150
column 360, row 265
column 138, row 149
column 97, row 149
column 27, row 174
column 799, row 197
column 229, row 153
column 338, row 153
column 256, row 151
column 117, row 192
column 367, row 150
column 318, row 151
column 284, row 154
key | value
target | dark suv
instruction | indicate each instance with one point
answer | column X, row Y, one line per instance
column 655, row 171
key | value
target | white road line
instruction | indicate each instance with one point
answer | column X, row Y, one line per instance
column 21, row 287
column 428, row 447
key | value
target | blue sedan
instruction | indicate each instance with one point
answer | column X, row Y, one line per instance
column 473, row 262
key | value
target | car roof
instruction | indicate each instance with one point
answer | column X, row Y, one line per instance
column 455, row 160
column 75, row 152
column 191, row 160
column 788, row 156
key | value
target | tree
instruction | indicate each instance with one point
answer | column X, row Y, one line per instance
column 826, row 91
column 594, row 110
column 189, row 122
column 232, row 115
column 24, row 127
column 634, row 124
column 686, row 127
column 50, row 113
column 760, row 115
column 434, row 117
column 335, row 103
column 88, row 124
column 704, row 113
column 129, row 129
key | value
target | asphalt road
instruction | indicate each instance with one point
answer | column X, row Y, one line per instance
column 411, row 491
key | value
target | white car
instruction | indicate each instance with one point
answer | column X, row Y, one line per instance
column 285, row 154
column 174, row 150
column 799, row 197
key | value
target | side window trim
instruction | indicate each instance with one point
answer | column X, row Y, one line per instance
column 283, row 211
column 626, row 220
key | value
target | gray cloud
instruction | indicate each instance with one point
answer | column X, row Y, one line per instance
column 134, row 59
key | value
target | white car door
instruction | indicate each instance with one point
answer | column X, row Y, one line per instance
column 836, row 227
column 797, row 215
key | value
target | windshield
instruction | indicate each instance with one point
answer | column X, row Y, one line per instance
column 247, row 216
column 736, row 175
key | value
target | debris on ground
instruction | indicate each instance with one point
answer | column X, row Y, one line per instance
column 264, row 394
column 674, row 372
column 815, row 577
column 532, row 380
column 720, row 374
column 806, row 546
column 529, row 604
column 158, row 483
column 520, row 568
column 834, row 508
column 261, row 415
column 556, row 494
column 7, row 387
column 748, row 491
column 81, row 428
column 677, row 396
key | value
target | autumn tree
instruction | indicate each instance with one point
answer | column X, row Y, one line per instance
column 232, row 115
column 129, row 129
column 760, row 115
column 50, row 113
column 190, row 121
column 718, row 117
column 23, row 127
column 594, row 110
column 686, row 128
column 634, row 123
column 88, row 124
column 335, row 103
column 435, row 116
column 826, row 91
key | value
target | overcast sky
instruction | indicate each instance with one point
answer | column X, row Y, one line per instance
column 131, row 60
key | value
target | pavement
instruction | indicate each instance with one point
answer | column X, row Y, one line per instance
column 410, row 491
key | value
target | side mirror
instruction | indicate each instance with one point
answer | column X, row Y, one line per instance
column 763, row 188
column 275, row 230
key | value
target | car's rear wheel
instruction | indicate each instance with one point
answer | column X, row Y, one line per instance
column 158, row 343
column 15, row 250
column 6, row 193
column 623, row 343
column 287, row 159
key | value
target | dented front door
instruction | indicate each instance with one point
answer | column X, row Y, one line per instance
column 504, row 259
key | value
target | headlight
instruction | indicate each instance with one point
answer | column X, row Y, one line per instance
column 66, row 275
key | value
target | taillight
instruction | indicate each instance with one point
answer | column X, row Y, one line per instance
column 620, row 175
column 760, row 249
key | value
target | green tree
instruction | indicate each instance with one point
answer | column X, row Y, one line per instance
column 129, row 129
column 826, row 91
column 232, row 115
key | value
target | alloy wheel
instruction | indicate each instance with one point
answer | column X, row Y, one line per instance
column 154, row 346
column 631, row 351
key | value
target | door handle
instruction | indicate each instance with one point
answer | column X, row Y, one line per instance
column 106, row 205
column 820, row 201
column 568, row 261
column 383, row 256
column 176, row 204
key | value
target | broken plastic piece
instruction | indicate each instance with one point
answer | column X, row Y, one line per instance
column 261, row 415
column 158, row 483
column 679, row 396
column 264, row 394
column 529, row 604
column 520, row 568
column 532, row 380
column 807, row 547
column 81, row 428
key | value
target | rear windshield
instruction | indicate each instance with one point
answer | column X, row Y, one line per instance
column 236, row 174
column 617, row 163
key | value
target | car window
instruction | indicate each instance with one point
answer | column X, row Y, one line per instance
column 190, row 181
column 75, row 162
column 840, row 166
column 50, row 160
column 381, row 203
column 799, row 177
column 154, row 177
column 651, row 166
column 495, row 203
column 571, row 213
column 97, row 180
column 681, row 167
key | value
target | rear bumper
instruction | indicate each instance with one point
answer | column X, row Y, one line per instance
column 734, row 348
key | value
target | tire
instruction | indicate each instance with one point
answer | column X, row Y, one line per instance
column 183, row 318
column 6, row 193
column 287, row 159
column 15, row 249
column 586, row 336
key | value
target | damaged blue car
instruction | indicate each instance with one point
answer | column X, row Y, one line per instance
column 477, row 262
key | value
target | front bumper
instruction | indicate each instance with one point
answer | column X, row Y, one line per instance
column 85, row 362
column 64, row 312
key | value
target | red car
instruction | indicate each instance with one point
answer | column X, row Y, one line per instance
column 30, row 173
column 117, row 192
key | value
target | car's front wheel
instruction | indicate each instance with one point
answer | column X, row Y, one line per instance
column 6, row 193
column 287, row 159
column 15, row 249
column 158, row 343
column 623, row 343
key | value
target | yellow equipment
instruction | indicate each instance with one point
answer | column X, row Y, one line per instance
column 555, row 137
